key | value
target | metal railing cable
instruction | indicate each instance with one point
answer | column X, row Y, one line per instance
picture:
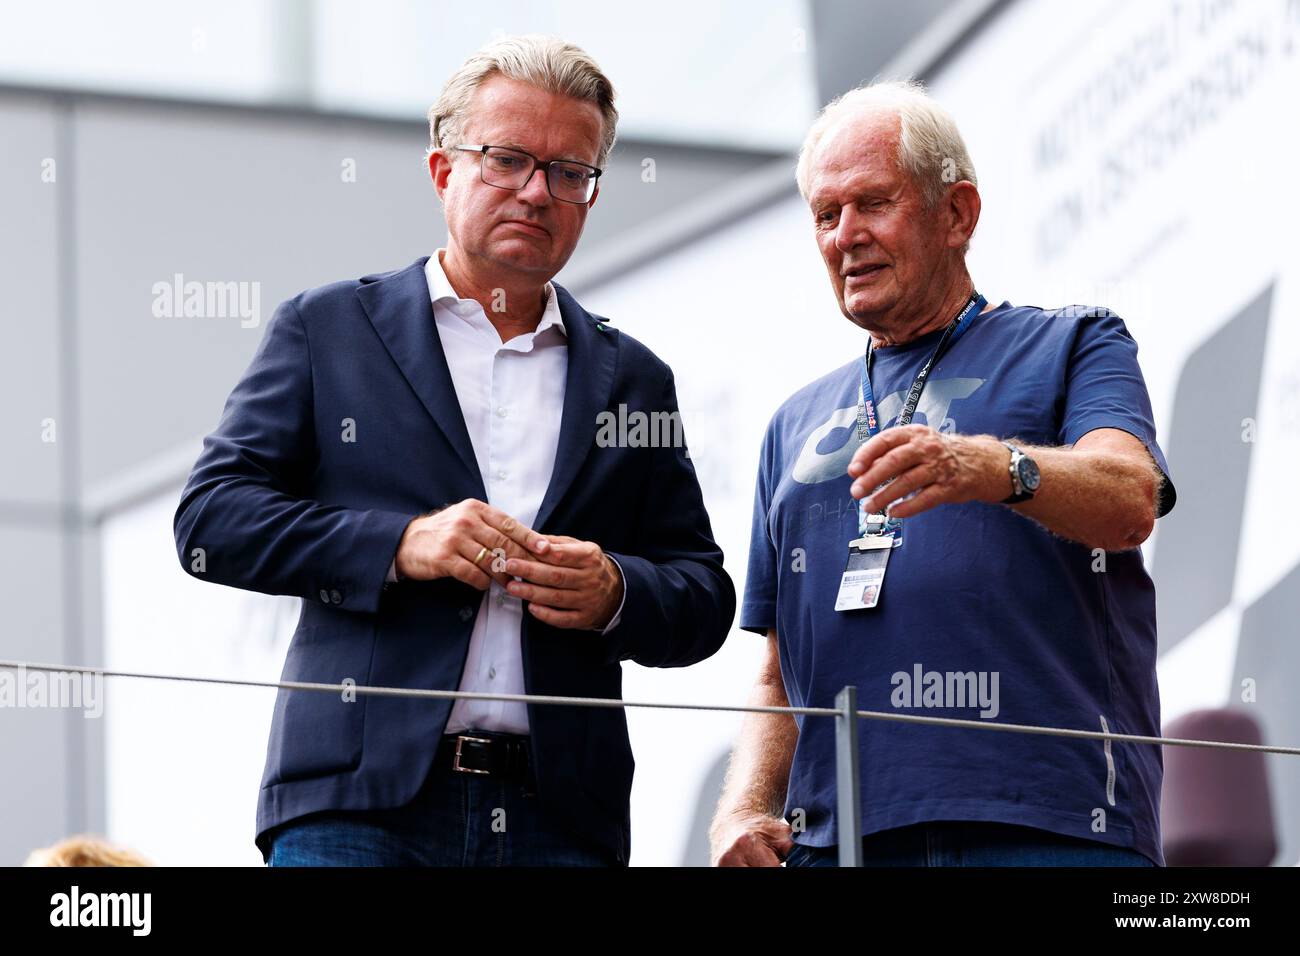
column 845, row 709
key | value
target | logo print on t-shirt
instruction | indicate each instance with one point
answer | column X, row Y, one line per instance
column 813, row 466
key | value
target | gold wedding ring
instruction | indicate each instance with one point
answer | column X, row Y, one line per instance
column 481, row 553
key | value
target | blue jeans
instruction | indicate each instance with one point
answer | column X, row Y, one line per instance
column 457, row 819
column 973, row 843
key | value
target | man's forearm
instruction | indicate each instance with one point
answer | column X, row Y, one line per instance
column 759, row 772
column 1100, row 492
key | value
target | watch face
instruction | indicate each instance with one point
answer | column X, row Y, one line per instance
column 1028, row 474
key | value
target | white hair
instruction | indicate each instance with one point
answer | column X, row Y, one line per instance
column 930, row 147
column 548, row 63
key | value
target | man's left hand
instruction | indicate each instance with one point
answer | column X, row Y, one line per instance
column 576, row 586
column 940, row 469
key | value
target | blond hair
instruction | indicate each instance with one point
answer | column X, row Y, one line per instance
column 548, row 63
column 85, row 850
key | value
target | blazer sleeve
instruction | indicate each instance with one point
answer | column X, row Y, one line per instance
column 678, row 601
column 243, row 520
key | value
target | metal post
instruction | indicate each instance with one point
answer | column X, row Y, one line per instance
column 848, row 816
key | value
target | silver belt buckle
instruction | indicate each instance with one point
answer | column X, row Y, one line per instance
column 455, row 763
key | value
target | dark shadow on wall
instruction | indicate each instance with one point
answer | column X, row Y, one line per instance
column 1195, row 559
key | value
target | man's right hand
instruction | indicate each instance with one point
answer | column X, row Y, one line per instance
column 748, row 838
column 445, row 543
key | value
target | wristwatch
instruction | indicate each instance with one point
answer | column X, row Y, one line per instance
column 1024, row 476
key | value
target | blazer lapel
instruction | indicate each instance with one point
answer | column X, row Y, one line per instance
column 399, row 307
column 593, row 351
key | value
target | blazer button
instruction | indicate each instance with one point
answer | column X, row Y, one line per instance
column 466, row 613
column 324, row 595
column 336, row 597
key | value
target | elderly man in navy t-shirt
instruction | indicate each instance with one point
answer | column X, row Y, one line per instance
column 950, row 522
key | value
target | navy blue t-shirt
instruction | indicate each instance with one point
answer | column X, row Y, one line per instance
column 983, row 614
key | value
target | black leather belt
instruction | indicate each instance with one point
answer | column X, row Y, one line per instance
column 478, row 753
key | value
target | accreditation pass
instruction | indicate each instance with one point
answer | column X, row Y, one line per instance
column 864, row 572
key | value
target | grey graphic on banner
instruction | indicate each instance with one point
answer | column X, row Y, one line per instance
column 1197, row 549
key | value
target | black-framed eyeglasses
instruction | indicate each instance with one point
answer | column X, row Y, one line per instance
column 512, row 169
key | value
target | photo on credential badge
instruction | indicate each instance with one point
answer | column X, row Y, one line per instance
column 864, row 574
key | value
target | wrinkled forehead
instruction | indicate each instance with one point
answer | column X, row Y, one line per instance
column 860, row 149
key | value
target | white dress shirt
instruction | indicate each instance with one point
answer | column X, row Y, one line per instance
column 511, row 395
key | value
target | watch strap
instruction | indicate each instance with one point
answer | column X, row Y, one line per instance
column 1018, row 492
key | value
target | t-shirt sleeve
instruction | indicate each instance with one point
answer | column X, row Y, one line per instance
column 1104, row 388
column 758, row 608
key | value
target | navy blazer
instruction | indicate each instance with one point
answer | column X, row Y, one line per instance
column 280, row 502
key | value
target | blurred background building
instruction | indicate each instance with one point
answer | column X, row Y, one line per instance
column 1137, row 156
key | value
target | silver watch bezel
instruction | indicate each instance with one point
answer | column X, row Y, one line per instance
column 1017, row 486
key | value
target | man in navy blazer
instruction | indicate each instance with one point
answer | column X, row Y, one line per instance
column 419, row 456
